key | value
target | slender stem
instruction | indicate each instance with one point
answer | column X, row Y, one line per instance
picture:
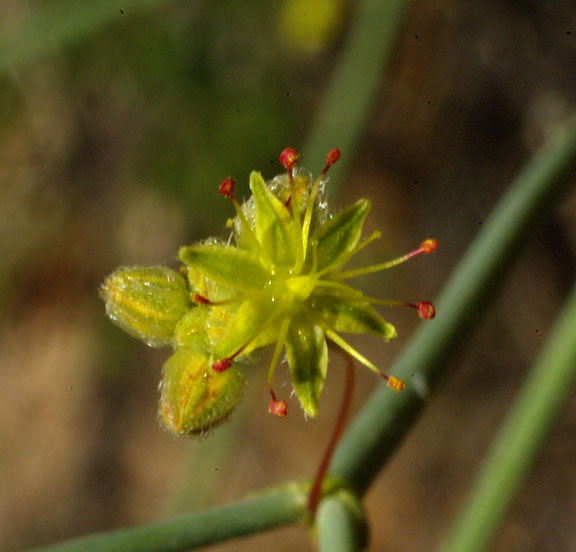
column 384, row 421
column 278, row 506
column 523, row 434
column 277, row 350
column 316, row 489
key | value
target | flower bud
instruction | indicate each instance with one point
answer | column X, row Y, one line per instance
column 195, row 398
column 146, row 302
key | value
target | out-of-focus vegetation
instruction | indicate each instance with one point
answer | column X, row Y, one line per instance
column 113, row 140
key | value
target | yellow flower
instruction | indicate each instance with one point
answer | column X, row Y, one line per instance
column 280, row 281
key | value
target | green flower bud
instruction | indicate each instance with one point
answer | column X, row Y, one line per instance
column 195, row 398
column 146, row 302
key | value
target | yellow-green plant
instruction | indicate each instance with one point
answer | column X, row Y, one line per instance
column 387, row 417
column 280, row 279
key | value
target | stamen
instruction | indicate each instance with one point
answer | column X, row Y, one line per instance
column 393, row 382
column 427, row 246
column 425, row 309
column 332, row 157
column 374, row 236
column 289, row 157
column 226, row 188
column 307, row 222
column 222, row 365
column 277, row 350
column 276, row 407
column 225, row 363
column 314, row 246
column 349, row 292
column 201, row 300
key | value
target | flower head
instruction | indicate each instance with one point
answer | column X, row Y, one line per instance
column 281, row 281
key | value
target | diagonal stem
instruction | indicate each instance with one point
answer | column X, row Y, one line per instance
column 380, row 427
column 275, row 507
column 549, row 386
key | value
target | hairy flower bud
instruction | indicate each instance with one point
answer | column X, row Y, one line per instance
column 146, row 302
column 195, row 398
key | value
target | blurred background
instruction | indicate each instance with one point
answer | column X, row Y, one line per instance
column 113, row 140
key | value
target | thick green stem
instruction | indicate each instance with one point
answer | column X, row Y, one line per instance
column 279, row 506
column 523, row 434
column 384, row 421
column 340, row 524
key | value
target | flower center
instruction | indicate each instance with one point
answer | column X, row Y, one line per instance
column 299, row 288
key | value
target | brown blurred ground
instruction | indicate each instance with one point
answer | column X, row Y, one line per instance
column 474, row 91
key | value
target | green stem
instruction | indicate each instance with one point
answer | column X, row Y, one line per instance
column 375, row 434
column 341, row 118
column 383, row 422
column 279, row 506
column 339, row 527
column 523, row 434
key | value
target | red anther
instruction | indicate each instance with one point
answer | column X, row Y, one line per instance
column 227, row 188
column 426, row 310
column 289, row 158
column 332, row 157
column 429, row 245
column 200, row 299
column 278, row 408
column 222, row 365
